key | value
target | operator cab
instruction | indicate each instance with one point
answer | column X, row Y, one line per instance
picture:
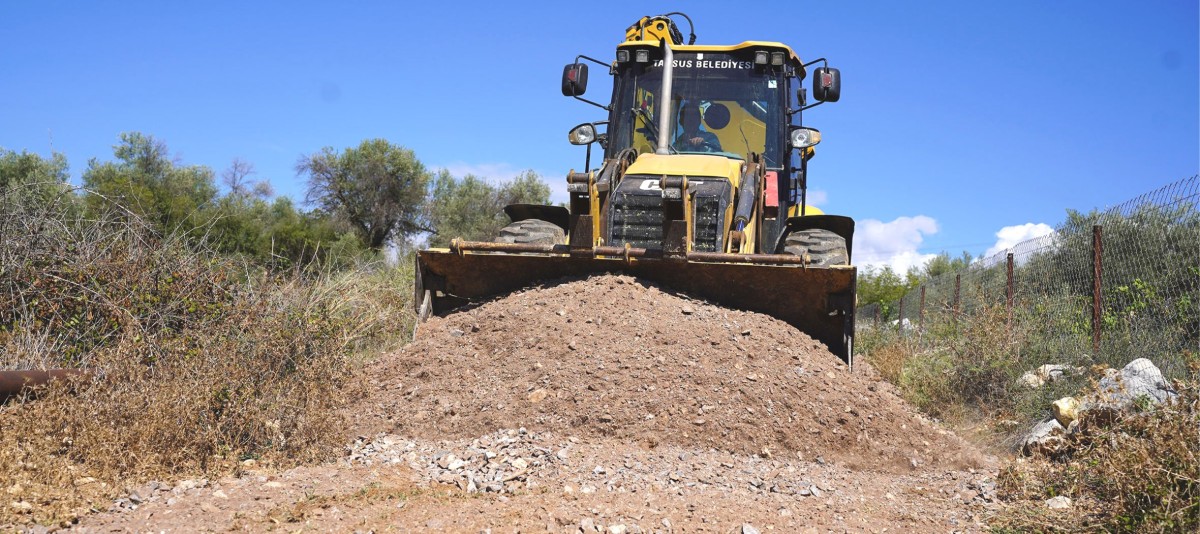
column 739, row 107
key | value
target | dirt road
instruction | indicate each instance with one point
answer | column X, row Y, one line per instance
column 605, row 405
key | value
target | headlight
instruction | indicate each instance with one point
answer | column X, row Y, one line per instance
column 805, row 137
column 582, row 134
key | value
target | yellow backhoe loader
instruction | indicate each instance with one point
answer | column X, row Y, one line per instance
column 702, row 189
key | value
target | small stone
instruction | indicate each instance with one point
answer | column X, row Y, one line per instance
column 274, row 484
column 21, row 506
column 456, row 465
column 599, row 470
column 889, row 496
column 454, row 332
column 687, row 310
column 785, row 512
column 519, row 463
column 816, row 492
column 445, row 461
column 220, row 494
column 1066, row 410
column 1061, row 502
column 587, row 524
column 617, row 529
column 747, row 528
column 666, row 523
column 539, row 395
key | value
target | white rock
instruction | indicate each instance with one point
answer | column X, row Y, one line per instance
column 1058, row 503
column 1140, row 379
column 1044, row 438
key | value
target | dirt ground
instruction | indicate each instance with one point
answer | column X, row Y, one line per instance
column 604, row 404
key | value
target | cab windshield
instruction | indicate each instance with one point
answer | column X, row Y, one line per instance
column 720, row 104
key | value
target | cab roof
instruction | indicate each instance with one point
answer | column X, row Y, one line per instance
column 744, row 45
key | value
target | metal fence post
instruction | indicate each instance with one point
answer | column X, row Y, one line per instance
column 921, row 312
column 900, row 319
column 957, row 294
column 1009, row 294
column 1097, row 276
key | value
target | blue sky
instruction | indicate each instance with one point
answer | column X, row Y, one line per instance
column 957, row 119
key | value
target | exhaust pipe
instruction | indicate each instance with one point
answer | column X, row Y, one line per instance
column 664, row 100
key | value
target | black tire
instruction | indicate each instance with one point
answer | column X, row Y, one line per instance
column 532, row 231
column 824, row 248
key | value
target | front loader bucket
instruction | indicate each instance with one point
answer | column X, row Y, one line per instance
column 817, row 300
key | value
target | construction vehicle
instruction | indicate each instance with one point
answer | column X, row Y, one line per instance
column 702, row 189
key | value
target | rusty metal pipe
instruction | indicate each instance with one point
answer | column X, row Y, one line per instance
column 767, row 259
column 13, row 383
column 458, row 247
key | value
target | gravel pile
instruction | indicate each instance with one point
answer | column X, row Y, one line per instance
column 614, row 356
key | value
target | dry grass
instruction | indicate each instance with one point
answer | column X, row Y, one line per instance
column 201, row 362
column 968, row 370
column 1141, row 474
column 1138, row 474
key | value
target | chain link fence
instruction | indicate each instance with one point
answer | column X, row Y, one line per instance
column 1106, row 287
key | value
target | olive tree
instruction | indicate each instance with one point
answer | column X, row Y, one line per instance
column 376, row 187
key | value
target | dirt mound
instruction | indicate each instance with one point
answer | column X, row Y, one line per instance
column 614, row 356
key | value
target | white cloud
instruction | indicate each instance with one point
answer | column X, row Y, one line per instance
column 502, row 172
column 1009, row 236
column 817, row 197
column 893, row 244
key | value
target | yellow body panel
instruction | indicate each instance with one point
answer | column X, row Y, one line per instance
column 690, row 165
column 794, row 211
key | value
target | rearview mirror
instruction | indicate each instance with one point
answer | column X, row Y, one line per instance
column 574, row 79
column 827, row 84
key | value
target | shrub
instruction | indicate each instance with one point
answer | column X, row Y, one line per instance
column 199, row 361
column 1141, row 474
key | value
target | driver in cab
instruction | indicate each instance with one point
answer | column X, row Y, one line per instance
column 693, row 139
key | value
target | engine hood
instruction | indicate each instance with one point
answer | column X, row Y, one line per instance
column 690, row 165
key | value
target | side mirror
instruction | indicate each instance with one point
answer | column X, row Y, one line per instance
column 574, row 79
column 827, row 84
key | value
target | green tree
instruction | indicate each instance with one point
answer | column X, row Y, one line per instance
column 145, row 181
column 943, row 264
column 32, row 179
column 884, row 287
column 472, row 208
column 377, row 187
